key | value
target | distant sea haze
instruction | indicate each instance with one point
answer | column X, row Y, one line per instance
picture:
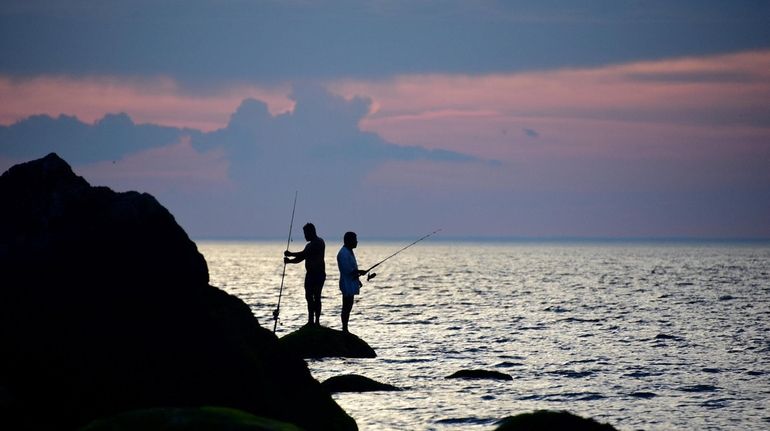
column 641, row 335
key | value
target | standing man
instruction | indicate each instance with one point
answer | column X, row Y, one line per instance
column 350, row 285
column 315, row 271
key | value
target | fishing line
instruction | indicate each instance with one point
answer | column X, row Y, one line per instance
column 371, row 275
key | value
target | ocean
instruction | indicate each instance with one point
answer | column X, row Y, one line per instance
column 643, row 336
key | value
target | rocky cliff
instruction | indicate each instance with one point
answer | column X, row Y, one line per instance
column 105, row 307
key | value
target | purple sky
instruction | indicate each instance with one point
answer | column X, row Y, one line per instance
column 487, row 119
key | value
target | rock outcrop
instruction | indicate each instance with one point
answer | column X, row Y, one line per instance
column 479, row 374
column 105, row 307
column 355, row 383
column 546, row 420
column 314, row 341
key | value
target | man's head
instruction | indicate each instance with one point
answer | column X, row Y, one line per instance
column 309, row 230
column 350, row 240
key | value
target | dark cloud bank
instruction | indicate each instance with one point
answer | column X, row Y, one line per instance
column 322, row 127
column 317, row 149
column 209, row 41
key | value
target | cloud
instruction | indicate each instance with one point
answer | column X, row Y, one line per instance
column 689, row 133
column 322, row 126
column 112, row 137
column 465, row 113
column 174, row 168
column 317, row 148
column 156, row 100
column 209, row 41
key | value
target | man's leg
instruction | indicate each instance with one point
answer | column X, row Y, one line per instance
column 318, row 293
column 347, row 306
column 310, row 303
column 318, row 307
column 313, row 288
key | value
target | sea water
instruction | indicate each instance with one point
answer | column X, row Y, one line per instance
column 648, row 336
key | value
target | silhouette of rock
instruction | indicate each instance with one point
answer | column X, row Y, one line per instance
column 314, row 341
column 355, row 383
column 545, row 420
column 480, row 374
column 188, row 419
column 105, row 307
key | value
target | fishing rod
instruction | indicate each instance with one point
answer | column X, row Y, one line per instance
column 371, row 275
column 277, row 310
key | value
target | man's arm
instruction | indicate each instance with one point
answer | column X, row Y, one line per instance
column 298, row 256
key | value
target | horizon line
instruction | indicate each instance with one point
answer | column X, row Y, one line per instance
column 522, row 239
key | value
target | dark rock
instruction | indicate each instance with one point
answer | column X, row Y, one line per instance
column 480, row 374
column 188, row 419
column 545, row 420
column 55, row 220
column 314, row 341
column 105, row 307
column 355, row 383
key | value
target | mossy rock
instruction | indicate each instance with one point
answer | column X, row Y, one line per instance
column 315, row 341
column 480, row 374
column 547, row 420
column 188, row 419
column 355, row 383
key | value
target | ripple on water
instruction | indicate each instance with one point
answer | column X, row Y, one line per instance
column 564, row 397
column 718, row 403
column 699, row 388
column 644, row 395
column 572, row 374
column 509, row 364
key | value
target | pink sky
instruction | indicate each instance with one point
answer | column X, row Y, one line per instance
column 147, row 100
column 414, row 109
column 687, row 125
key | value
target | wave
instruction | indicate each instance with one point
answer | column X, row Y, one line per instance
column 699, row 388
column 572, row 374
column 567, row 396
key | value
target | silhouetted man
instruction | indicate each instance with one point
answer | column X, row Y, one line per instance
column 350, row 285
column 315, row 271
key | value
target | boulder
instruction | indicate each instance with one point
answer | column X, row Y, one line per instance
column 546, row 420
column 315, row 341
column 188, row 419
column 105, row 307
column 355, row 383
column 479, row 374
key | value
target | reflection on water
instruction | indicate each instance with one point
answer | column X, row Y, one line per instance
column 652, row 337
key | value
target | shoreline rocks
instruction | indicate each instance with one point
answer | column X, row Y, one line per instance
column 355, row 383
column 105, row 307
column 548, row 420
column 315, row 342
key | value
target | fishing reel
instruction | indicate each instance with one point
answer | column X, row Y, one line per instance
column 370, row 276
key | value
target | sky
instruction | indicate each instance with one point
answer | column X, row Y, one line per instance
column 487, row 119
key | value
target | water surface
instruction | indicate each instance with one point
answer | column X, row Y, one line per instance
column 642, row 336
